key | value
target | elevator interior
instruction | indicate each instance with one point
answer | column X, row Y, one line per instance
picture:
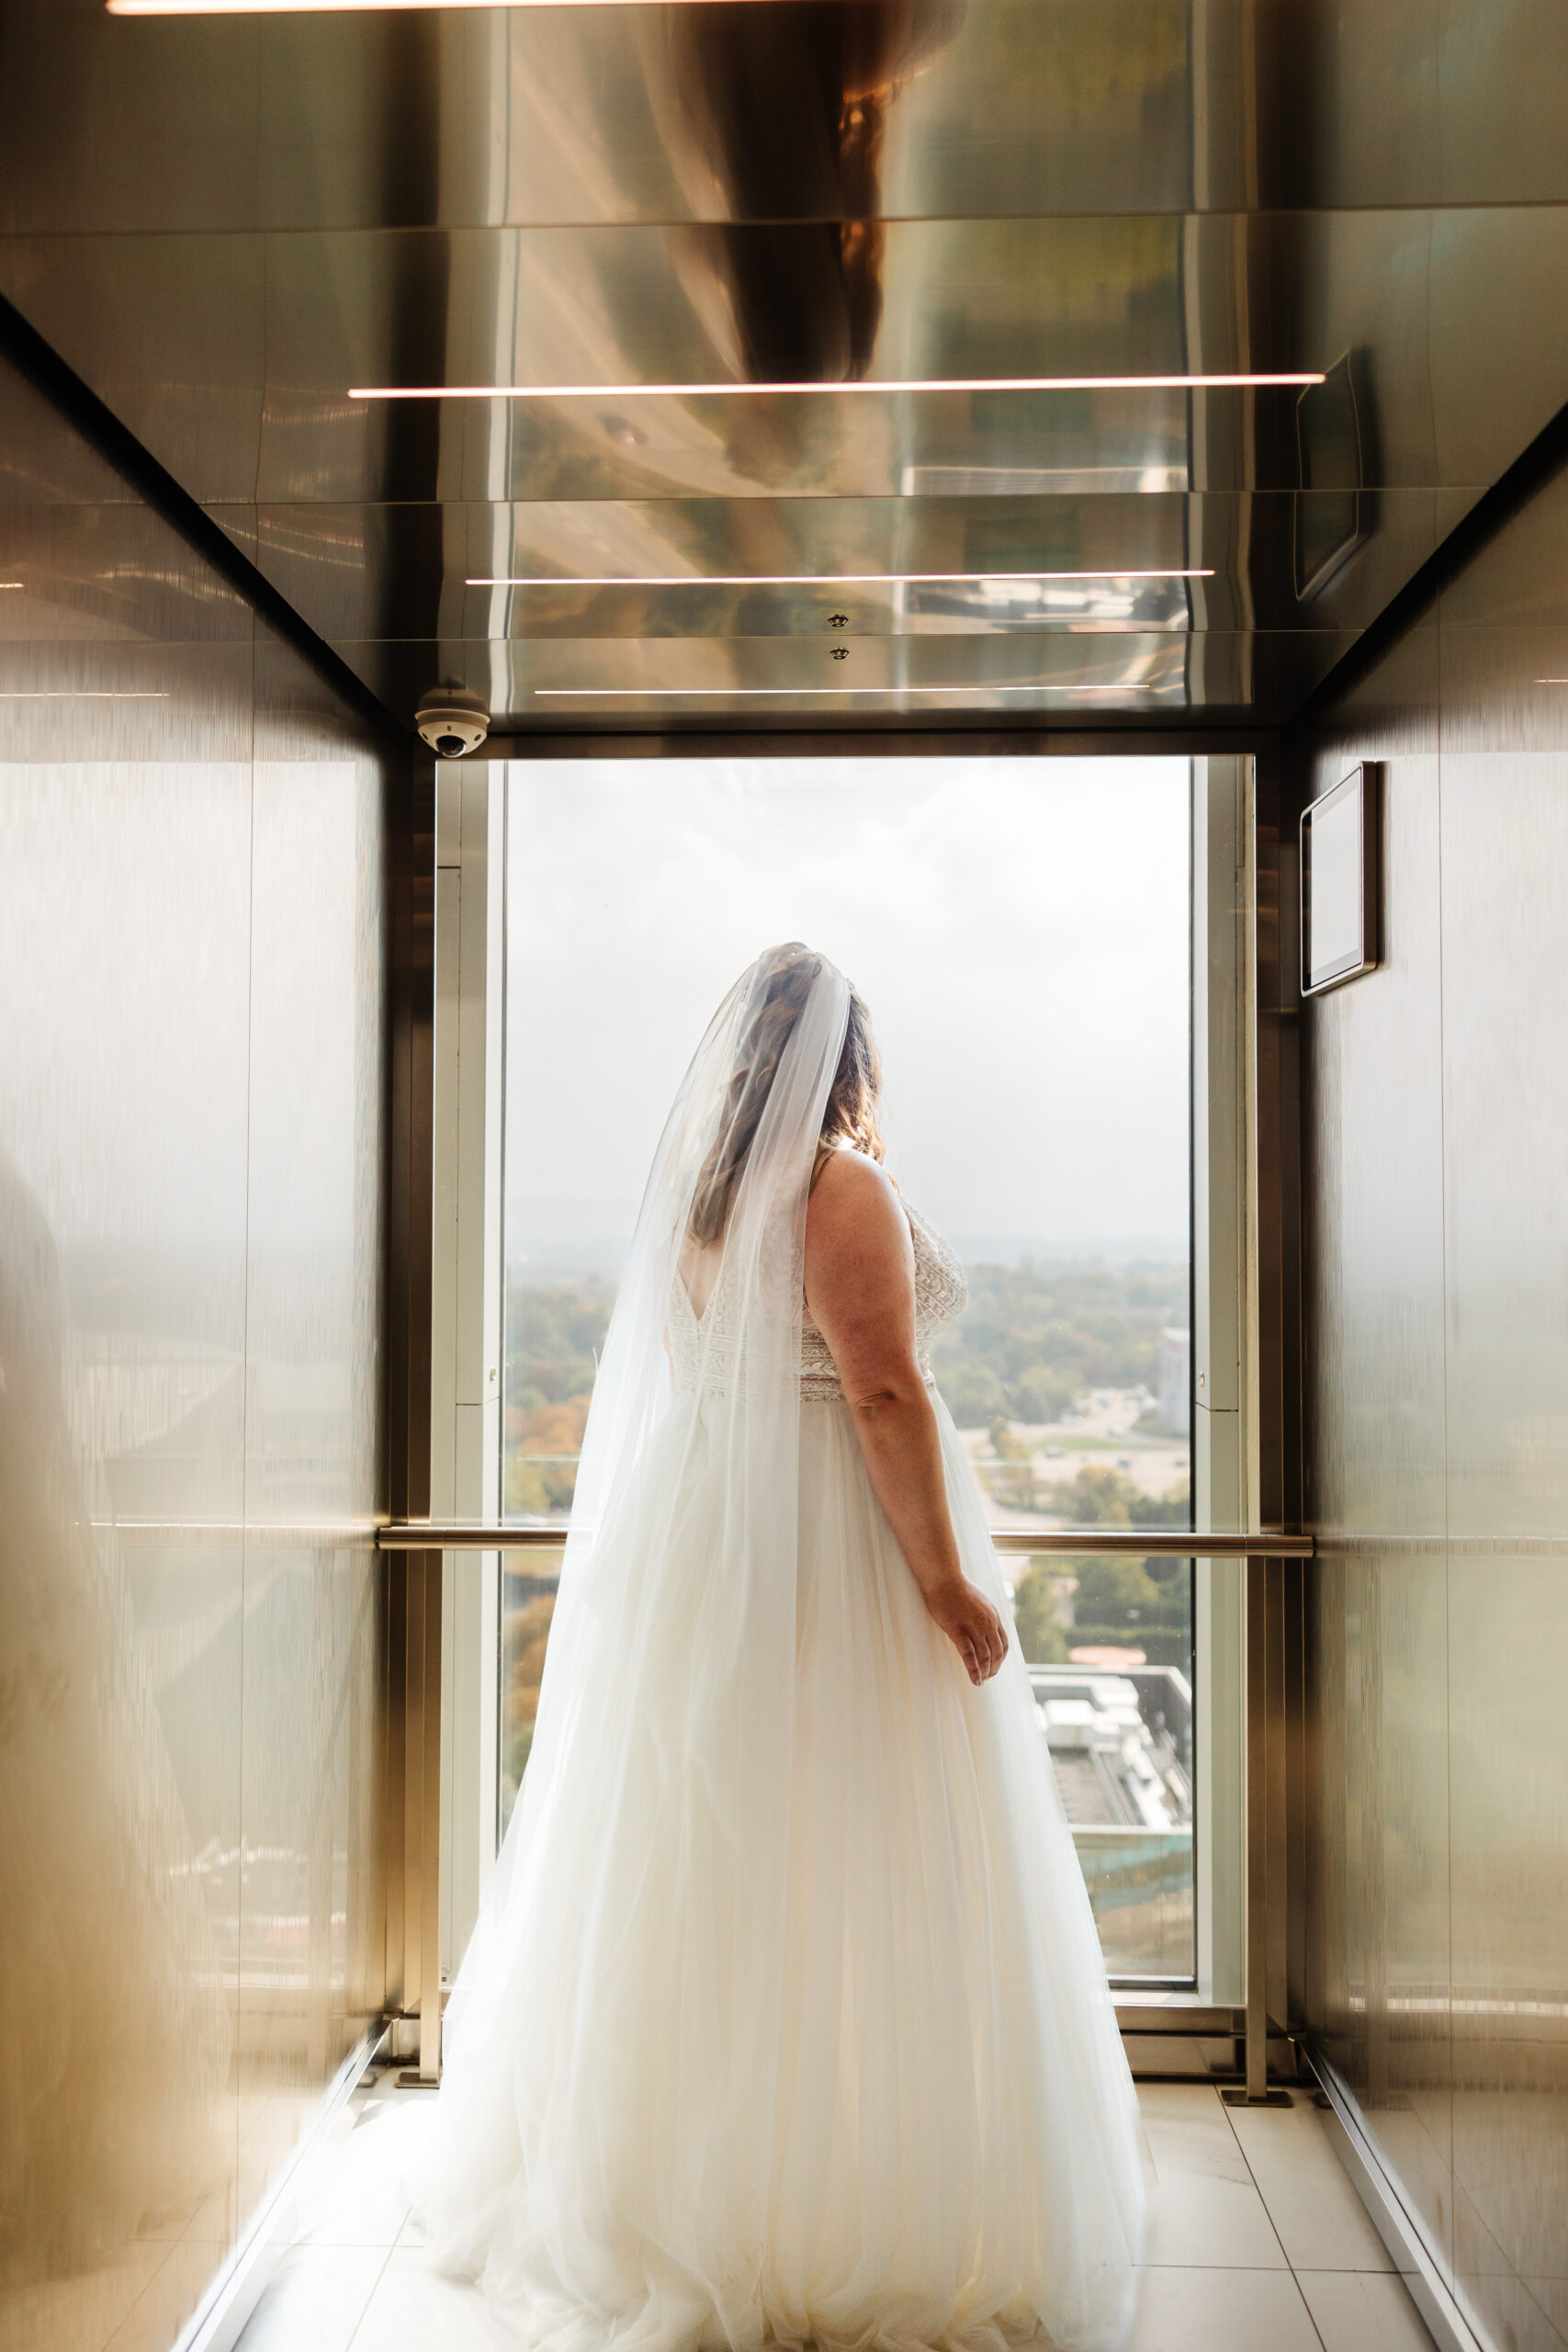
column 862, row 375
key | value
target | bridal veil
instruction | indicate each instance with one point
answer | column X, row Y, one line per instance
column 786, row 2016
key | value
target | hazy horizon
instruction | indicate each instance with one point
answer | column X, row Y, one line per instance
column 565, row 1233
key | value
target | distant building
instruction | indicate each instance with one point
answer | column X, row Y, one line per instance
column 1121, row 1745
column 1176, row 1382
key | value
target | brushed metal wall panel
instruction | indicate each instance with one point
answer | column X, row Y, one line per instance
column 1374, row 1174
column 681, row 300
column 1499, row 75
column 193, row 390
column 651, row 113
column 1519, row 583
column 1373, row 1278
column 1438, row 1427
column 639, row 113
column 1506, row 865
column 225, row 224
column 101, row 701
column 1379, row 1984
column 191, row 1083
column 122, row 1138
column 39, row 464
column 658, row 114
column 1409, row 2046
column 1425, row 102
column 223, row 124
column 1509, row 1782
column 747, row 677
column 1353, row 104
column 1488, row 264
column 103, row 571
column 312, row 1420
column 871, row 444
column 159, row 132
column 1505, row 877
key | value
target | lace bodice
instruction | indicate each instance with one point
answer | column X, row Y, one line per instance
column 702, row 1358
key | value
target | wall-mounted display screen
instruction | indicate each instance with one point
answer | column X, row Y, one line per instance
column 1340, row 893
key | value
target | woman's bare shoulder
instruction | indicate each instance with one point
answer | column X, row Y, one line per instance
column 849, row 1175
column 854, row 1195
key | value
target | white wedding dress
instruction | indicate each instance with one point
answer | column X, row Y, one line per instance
column 788, row 2021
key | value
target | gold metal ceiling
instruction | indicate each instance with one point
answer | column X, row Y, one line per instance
column 231, row 226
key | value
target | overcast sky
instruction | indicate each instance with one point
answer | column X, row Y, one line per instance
column 1019, row 928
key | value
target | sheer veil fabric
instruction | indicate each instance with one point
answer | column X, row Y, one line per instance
column 786, row 2018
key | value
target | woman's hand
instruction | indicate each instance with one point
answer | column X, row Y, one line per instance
column 971, row 1625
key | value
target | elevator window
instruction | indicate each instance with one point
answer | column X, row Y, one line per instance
column 1020, row 930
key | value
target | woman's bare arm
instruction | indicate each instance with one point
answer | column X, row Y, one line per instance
column 860, row 1286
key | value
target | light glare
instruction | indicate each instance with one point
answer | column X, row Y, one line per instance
column 827, row 579
column 858, row 384
column 309, row 7
column 690, row 693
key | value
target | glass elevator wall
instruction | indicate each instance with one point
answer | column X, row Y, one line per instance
column 1022, row 930
column 191, row 1157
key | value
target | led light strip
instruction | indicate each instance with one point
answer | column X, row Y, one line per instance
column 306, row 7
column 858, row 384
column 827, row 579
column 83, row 694
column 649, row 694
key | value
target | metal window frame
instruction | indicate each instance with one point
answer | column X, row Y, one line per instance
column 467, row 1277
column 1244, row 1589
column 1221, row 893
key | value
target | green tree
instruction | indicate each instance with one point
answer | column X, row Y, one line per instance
column 553, row 1335
column 1042, row 1393
column 1142, row 1604
column 1114, row 1592
column 1039, row 1632
column 1174, row 1509
column 1082, row 1326
column 974, row 1393
column 1098, row 1499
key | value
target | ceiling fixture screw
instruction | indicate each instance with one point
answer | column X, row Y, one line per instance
column 840, row 653
column 838, row 620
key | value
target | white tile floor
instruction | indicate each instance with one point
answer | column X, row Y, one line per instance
column 1258, row 2243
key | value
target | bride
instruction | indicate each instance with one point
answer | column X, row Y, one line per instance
column 787, row 2020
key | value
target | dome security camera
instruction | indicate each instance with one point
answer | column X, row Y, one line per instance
column 452, row 722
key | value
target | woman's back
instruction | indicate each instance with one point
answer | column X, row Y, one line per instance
column 789, row 2020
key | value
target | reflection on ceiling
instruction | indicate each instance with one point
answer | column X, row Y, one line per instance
column 1150, row 344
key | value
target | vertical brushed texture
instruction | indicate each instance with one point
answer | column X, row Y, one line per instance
column 1509, row 1780
column 1373, row 1151
column 313, row 1410
column 1505, row 881
column 1438, row 1272
column 1373, row 1277
column 191, row 1105
column 1504, row 876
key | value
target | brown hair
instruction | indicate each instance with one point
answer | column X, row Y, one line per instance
column 784, row 982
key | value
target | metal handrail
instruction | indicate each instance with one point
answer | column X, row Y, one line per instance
column 1160, row 1543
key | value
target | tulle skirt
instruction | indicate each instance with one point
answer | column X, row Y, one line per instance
column 790, row 2021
